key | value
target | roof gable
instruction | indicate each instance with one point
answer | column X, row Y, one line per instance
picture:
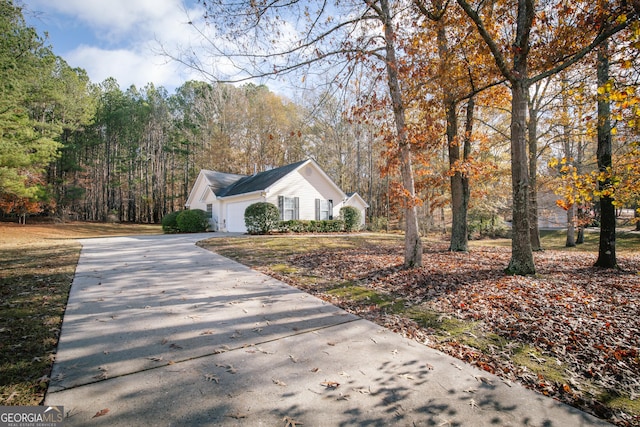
column 260, row 181
column 219, row 181
column 352, row 197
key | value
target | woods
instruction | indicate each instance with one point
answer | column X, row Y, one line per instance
column 437, row 112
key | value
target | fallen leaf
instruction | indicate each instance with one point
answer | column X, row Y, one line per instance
column 483, row 379
column 101, row 412
column 278, row 382
column 290, row 422
column 211, row 377
column 330, row 384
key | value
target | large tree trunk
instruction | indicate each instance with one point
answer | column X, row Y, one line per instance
column 459, row 232
column 413, row 243
column 607, row 246
column 534, row 232
column 568, row 154
column 521, row 253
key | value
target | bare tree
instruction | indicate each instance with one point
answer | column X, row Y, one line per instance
column 269, row 39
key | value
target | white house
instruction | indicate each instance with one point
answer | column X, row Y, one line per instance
column 300, row 190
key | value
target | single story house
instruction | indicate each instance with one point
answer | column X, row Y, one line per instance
column 301, row 190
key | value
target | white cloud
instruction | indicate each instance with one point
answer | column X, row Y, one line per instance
column 123, row 38
column 127, row 67
column 118, row 18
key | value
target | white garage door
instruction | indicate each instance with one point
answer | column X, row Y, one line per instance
column 235, row 216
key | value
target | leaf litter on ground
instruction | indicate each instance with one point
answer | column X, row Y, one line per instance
column 571, row 332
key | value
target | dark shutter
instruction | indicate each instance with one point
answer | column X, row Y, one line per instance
column 330, row 209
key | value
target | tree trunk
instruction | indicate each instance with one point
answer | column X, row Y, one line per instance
column 466, row 154
column 569, row 155
column 571, row 229
column 413, row 244
column 521, row 252
column 607, row 246
column 459, row 232
column 534, row 231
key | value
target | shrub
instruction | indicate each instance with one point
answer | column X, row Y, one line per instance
column 311, row 226
column 261, row 217
column 192, row 221
column 332, row 226
column 290, row 226
column 351, row 218
column 170, row 223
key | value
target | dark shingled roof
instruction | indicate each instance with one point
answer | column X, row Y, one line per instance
column 260, row 181
column 219, row 180
column 228, row 184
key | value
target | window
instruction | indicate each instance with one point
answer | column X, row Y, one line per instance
column 209, row 210
column 289, row 207
column 324, row 209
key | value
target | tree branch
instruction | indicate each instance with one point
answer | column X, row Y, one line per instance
column 493, row 47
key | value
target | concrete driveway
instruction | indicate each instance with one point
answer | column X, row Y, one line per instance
column 159, row 332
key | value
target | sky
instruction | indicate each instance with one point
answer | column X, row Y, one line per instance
column 119, row 38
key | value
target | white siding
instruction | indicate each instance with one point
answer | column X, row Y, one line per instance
column 308, row 184
column 232, row 209
column 201, row 196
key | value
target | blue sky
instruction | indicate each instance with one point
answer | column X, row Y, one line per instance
column 119, row 38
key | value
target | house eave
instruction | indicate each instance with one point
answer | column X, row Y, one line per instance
column 242, row 195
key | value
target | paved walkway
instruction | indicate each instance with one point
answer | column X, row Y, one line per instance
column 159, row 332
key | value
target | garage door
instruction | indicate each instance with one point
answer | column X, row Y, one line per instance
column 235, row 216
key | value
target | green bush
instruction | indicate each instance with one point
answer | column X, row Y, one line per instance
column 351, row 218
column 192, row 221
column 290, row 226
column 170, row 223
column 332, row 226
column 261, row 217
column 312, row 226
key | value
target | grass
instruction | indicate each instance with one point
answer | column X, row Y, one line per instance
column 626, row 240
column 37, row 264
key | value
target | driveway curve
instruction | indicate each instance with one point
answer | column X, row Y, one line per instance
column 160, row 332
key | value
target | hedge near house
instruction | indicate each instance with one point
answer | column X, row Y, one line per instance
column 187, row 221
column 170, row 223
column 351, row 218
column 192, row 221
column 261, row 218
